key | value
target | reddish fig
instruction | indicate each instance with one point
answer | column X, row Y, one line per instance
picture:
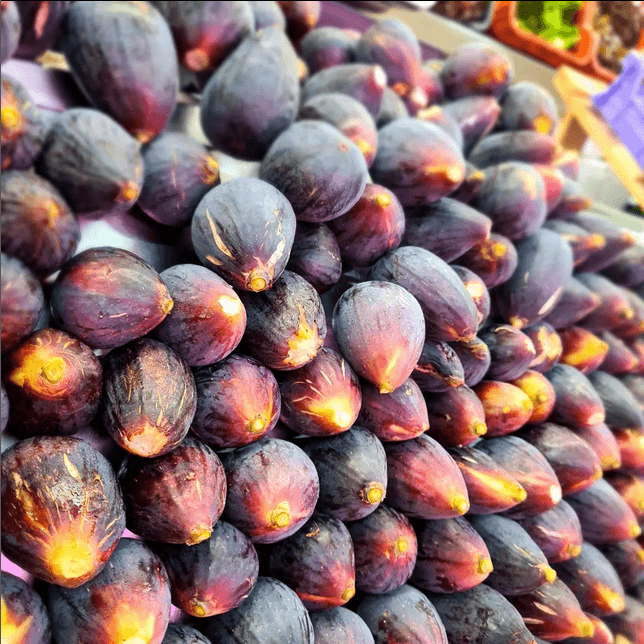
column 628, row 269
column 576, row 303
column 554, row 181
column 494, row 260
column 620, row 358
column 506, row 407
column 438, row 368
column 472, row 183
column 628, row 626
column 525, row 146
column 547, row 344
column 631, row 449
column 325, row 47
column 631, row 489
column 627, row 558
column 582, row 349
column 541, row 393
column 476, row 289
column 301, row 17
column 603, row 441
column 614, row 307
column 511, row 352
column 40, row 27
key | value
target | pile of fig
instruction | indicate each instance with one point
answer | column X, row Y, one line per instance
column 387, row 388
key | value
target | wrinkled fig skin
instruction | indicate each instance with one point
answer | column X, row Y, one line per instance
column 22, row 126
column 22, row 302
column 149, row 397
column 132, row 83
column 107, row 609
column 603, row 441
column 179, row 172
column 315, row 256
column 178, row 634
column 93, row 161
column 450, row 313
column 477, row 290
column 575, row 303
column 391, row 108
column 438, row 368
column 525, row 146
column 38, row 227
column 475, row 359
column 285, row 324
column 107, row 297
column 4, row 408
column 352, row 469
column 213, row 576
column 238, row 402
column 417, row 161
column 207, row 320
column 243, row 230
column 62, row 509
column 205, row 33
column 54, row 384
column 25, row 618
column 235, row 115
column 174, row 498
column 336, row 172
column 475, row 115
column 255, row 619
column 528, row 106
column 403, row 615
column 622, row 409
column 547, row 344
column 40, row 26
column 494, row 260
column 326, row 47
column 340, row 625
column 614, row 307
column 10, row 29
column 511, row 351
column 380, row 330
column 273, row 487
column 461, row 614
column 365, row 83
column 628, row 269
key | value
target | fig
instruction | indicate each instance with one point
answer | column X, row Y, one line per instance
column 24, row 617
column 619, row 358
column 494, row 260
column 474, row 356
column 475, row 115
column 547, row 344
column 438, row 368
column 10, row 30
column 622, row 409
column 603, row 441
column 526, row 146
column 477, row 290
column 541, row 393
column 614, row 308
column 575, row 303
column 326, row 47
column 528, row 106
column 392, row 107
column 301, row 17
column 511, row 352
column 582, row 349
column 506, row 407
column 40, row 27
column 340, row 625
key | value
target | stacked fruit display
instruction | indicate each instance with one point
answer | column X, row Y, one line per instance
column 394, row 391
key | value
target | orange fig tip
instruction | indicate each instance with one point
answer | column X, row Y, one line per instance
column 349, row 592
column 71, row 560
column 574, row 551
column 129, row 192
column 620, row 639
column 198, row 534
column 9, row 117
column 485, row 566
column 167, row 305
column 386, row 388
column 382, row 199
column 635, row 530
column 518, row 493
column 611, row 601
column 460, row 504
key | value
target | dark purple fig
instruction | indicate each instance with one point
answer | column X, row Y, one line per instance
column 23, row 302
column 174, row 498
column 476, row 289
column 352, row 468
column 385, row 550
column 461, row 614
column 541, row 393
column 622, row 409
column 235, row 115
column 530, row 468
column 273, row 487
column 547, row 344
column 450, row 313
column 447, row 228
column 391, row 108
column 603, row 441
column 633, row 326
column 417, row 161
column 511, row 351
column 301, row 17
column 113, row 56
column 336, row 170
column 436, row 115
column 631, row 449
column 238, row 402
column 285, row 324
column 614, row 307
column 472, row 183
column 340, row 625
column 556, row 531
column 371, row 228
column 490, row 487
column 438, row 368
column 456, row 416
column 212, row 576
column 365, row 83
column 568, row 163
column 554, row 181
column 605, row 517
column 321, row 398
column 452, row 556
column 430, row 81
column 178, row 174
column 255, row 618
column 397, row 416
column 93, row 161
column 402, row 615
column 380, row 330
column 635, row 384
column 412, row 491
column 24, row 617
column 628, row 626
column 519, row 565
column 528, row 106
column 631, row 489
column 619, row 358
column 177, row 634
column 38, row 227
column 326, row 47
column 582, row 349
column 582, row 242
column 506, row 407
column 525, row 146
column 207, row 320
column 106, row 609
column 475, row 115
column 552, row 611
column 494, row 260
column 474, row 356
column 575, row 303
column 54, row 384
column 22, row 124
column 4, row 407
column 149, row 397
column 627, row 558
column 62, row 509
column 40, row 27
column 10, row 29
column 628, row 269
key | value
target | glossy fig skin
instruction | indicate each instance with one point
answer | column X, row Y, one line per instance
column 22, row 300
column 582, row 349
column 379, row 350
column 273, row 487
column 212, row 576
column 10, row 29
column 340, row 625
column 622, row 409
column 547, row 344
column 285, row 325
column 475, row 359
column 475, row 115
column 40, row 27
column 22, row 125
column 65, row 525
column 541, row 393
column 134, row 86
column 25, row 618
column 404, row 614
column 603, row 441
column 352, row 470
column 178, row 174
column 106, row 609
column 177, row 634
column 95, row 164
column 438, row 368
column 54, row 384
column 149, row 397
column 326, row 47
column 511, row 352
column 207, row 321
column 417, row 161
column 506, row 408
column 576, row 302
column 525, row 146
column 494, row 260
column 528, row 106
column 238, row 401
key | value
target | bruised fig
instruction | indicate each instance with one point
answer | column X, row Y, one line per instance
column 438, row 368
column 541, row 393
column 62, row 509
column 325, row 47
column 149, row 397
column 506, row 407
column 547, row 344
column 575, row 303
column 24, row 617
column 340, row 625
column 494, row 260
column 474, row 356
column 582, row 349
column 176, row 497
